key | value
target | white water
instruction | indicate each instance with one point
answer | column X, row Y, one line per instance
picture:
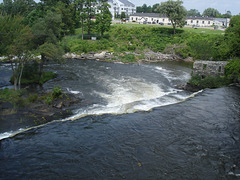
column 127, row 94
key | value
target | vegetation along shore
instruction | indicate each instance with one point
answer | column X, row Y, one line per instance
column 33, row 34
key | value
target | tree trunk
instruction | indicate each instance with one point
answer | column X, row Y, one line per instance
column 14, row 77
column 174, row 27
column 20, row 76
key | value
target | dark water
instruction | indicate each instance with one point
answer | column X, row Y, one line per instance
column 198, row 138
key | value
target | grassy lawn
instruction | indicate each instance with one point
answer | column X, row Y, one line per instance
column 186, row 29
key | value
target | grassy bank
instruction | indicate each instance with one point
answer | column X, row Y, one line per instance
column 197, row 43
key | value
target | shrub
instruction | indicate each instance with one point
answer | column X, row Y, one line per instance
column 57, row 92
column 232, row 70
column 209, row 81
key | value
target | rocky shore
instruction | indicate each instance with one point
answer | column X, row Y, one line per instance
column 149, row 56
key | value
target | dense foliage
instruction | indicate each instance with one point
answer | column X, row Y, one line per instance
column 232, row 70
column 28, row 28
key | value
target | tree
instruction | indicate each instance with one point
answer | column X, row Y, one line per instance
column 103, row 18
column 67, row 15
column 15, row 41
column 155, row 8
column 86, row 9
column 228, row 14
column 193, row 12
column 18, row 7
column 47, row 33
column 175, row 12
column 211, row 12
column 233, row 36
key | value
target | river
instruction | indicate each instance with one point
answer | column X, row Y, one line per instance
column 137, row 125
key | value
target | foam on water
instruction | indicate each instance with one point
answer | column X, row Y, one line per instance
column 128, row 95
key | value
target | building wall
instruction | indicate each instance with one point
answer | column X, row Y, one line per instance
column 117, row 7
column 149, row 19
column 200, row 22
column 209, row 68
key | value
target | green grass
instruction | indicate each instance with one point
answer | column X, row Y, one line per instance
column 186, row 29
column 198, row 43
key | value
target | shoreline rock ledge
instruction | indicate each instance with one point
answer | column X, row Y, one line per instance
column 150, row 56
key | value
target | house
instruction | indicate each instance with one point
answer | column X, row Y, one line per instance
column 119, row 6
column 149, row 18
column 200, row 21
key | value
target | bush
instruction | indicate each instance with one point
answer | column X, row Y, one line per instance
column 232, row 70
column 57, row 92
column 209, row 81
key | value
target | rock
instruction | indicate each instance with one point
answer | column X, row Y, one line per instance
column 60, row 105
column 189, row 59
column 100, row 55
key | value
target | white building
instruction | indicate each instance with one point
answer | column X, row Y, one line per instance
column 149, row 18
column 119, row 6
column 155, row 18
column 199, row 21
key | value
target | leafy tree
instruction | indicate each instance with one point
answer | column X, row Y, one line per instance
column 211, row 12
column 33, row 16
column 228, row 14
column 46, row 35
column 155, row 8
column 233, row 36
column 139, row 9
column 175, row 12
column 67, row 15
column 18, row 7
column 103, row 18
column 15, row 41
column 193, row 12
column 144, row 8
column 50, row 3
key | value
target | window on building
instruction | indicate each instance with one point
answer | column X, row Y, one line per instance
column 152, row 19
column 208, row 22
column 202, row 22
column 197, row 22
column 163, row 20
column 122, row 8
column 191, row 21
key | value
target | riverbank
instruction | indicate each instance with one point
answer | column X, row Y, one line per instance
column 29, row 110
column 128, row 57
